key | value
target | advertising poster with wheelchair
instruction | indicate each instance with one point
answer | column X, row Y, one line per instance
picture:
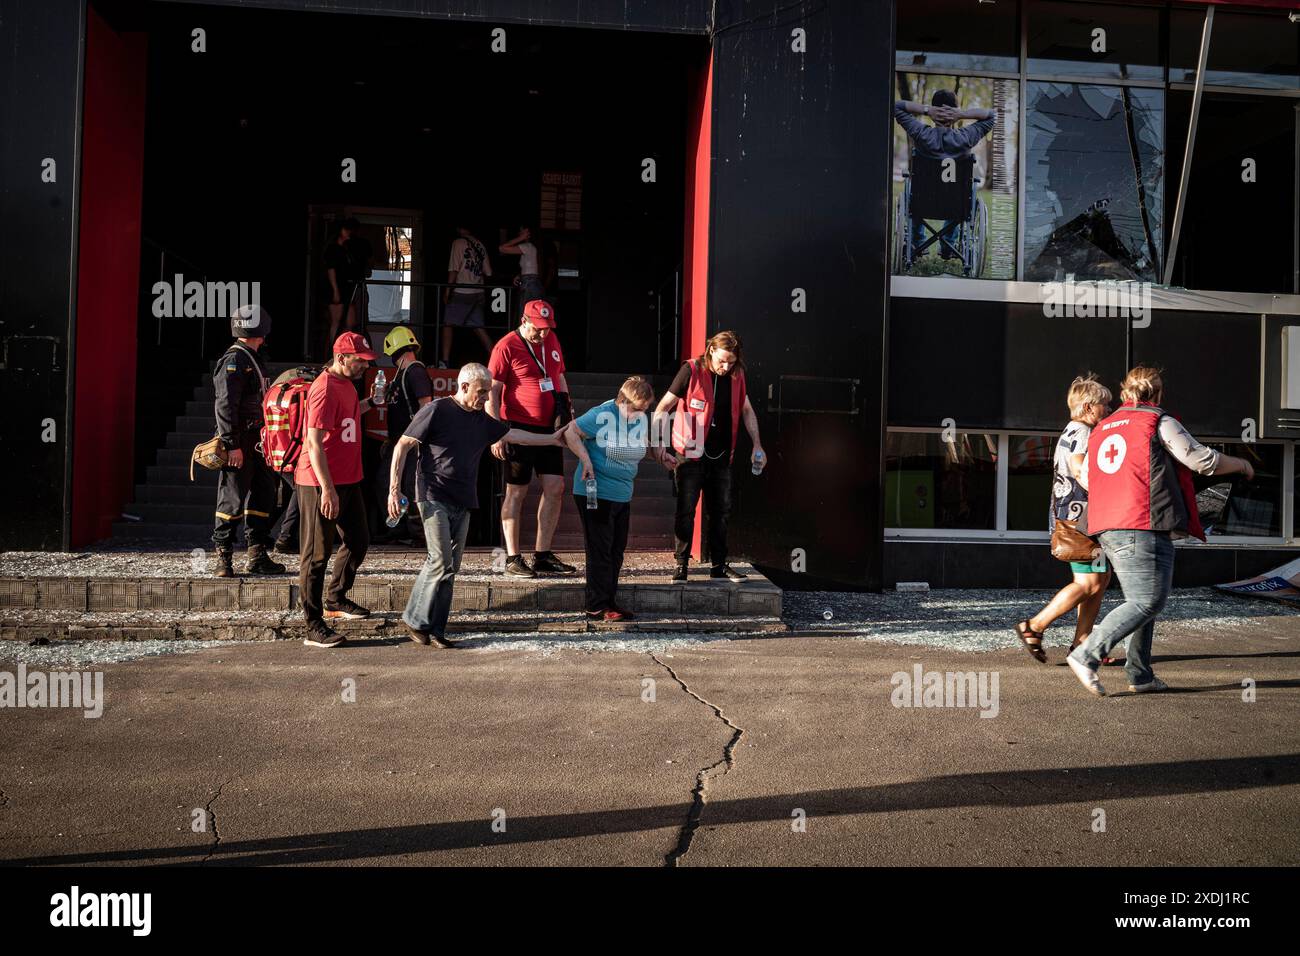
column 955, row 176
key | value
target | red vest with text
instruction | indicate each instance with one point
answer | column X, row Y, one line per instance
column 695, row 411
column 1133, row 482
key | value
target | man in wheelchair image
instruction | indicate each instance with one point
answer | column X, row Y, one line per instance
column 941, row 185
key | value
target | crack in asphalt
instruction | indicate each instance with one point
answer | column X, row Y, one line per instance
column 212, row 819
column 4, row 800
column 699, row 792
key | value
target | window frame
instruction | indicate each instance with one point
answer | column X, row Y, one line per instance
column 1000, row 532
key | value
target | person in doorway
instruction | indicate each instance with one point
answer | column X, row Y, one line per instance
column 609, row 441
column 450, row 435
column 707, row 401
column 529, row 279
column 246, row 486
column 344, row 272
column 1138, row 475
column 330, row 497
column 530, row 392
column 1089, row 402
column 409, row 392
column 465, row 296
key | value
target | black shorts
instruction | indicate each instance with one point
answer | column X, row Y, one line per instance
column 523, row 460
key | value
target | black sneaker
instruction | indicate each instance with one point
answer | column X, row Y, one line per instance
column 680, row 574
column 728, row 572
column 319, row 634
column 517, row 566
column 545, row 562
column 346, row 610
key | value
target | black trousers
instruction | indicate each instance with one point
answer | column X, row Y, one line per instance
column 289, row 523
column 246, row 494
column 316, row 541
column 604, row 531
column 713, row 478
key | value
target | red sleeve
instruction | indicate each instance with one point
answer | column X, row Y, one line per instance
column 320, row 412
column 498, row 363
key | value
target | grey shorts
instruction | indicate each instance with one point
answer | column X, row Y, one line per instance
column 465, row 311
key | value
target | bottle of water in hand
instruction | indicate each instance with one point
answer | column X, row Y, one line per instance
column 759, row 461
column 591, row 494
column 381, row 388
column 402, row 503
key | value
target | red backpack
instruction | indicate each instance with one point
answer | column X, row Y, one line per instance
column 284, row 410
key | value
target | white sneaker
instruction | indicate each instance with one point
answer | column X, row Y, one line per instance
column 1155, row 685
column 1087, row 677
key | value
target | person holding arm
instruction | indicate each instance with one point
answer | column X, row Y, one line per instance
column 1089, row 402
column 449, row 435
column 330, row 498
column 1138, row 475
column 609, row 441
column 707, row 401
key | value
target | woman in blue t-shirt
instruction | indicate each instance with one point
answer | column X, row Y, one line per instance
column 609, row 441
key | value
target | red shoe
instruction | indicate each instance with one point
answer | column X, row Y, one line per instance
column 614, row 615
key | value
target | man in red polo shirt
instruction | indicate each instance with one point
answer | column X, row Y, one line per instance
column 330, row 497
column 529, row 391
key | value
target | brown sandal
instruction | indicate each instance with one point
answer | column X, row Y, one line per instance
column 1033, row 641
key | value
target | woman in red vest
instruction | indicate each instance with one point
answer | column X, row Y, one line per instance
column 707, row 400
column 1138, row 474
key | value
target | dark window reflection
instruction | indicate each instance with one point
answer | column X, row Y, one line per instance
column 930, row 483
column 1094, row 39
column 972, row 36
column 1093, row 178
column 1029, row 481
column 1232, row 506
column 1245, row 50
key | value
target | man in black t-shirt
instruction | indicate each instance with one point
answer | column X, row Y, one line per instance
column 409, row 391
column 344, row 272
column 451, row 435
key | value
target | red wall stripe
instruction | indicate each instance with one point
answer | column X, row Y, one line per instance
column 108, row 276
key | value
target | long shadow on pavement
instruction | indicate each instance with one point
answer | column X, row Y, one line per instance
column 1020, row 788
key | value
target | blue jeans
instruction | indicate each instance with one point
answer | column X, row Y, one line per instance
column 1144, row 563
column 445, row 528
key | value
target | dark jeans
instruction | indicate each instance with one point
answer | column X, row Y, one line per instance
column 604, row 531
column 445, row 528
column 317, row 541
column 289, row 523
column 248, row 494
column 713, row 477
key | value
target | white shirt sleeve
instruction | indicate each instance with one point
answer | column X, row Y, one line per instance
column 1178, row 441
column 457, row 257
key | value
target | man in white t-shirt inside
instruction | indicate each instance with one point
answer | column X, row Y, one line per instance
column 530, row 282
column 465, row 295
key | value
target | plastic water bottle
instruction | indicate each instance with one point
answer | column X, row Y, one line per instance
column 591, row 494
column 381, row 386
column 401, row 503
column 759, row 461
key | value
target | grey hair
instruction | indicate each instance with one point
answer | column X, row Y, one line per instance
column 473, row 372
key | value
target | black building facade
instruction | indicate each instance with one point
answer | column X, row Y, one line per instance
column 906, row 392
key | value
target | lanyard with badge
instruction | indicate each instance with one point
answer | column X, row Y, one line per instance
column 545, row 384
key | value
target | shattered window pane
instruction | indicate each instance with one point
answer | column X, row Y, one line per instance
column 1094, row 168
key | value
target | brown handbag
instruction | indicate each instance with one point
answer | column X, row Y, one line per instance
column 212, row 455
column 1071, row 544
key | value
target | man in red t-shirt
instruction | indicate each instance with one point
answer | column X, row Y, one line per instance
column 330, row 498
column 529, row 391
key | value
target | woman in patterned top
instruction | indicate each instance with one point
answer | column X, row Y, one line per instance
column 1089, row 403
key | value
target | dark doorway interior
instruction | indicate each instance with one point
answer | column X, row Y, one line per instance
column 243, row 138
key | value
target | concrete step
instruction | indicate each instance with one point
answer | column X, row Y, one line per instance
column 648, row 593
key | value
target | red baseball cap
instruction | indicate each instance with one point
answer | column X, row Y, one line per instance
column 540, row 313
column 353, row 343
